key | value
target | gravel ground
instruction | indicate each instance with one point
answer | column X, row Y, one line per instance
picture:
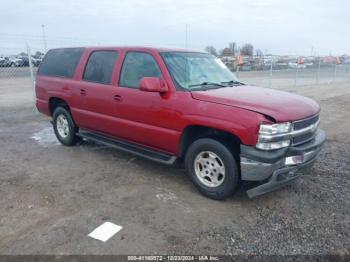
column 52, row 197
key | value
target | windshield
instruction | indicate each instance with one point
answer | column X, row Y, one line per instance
column 194, row 71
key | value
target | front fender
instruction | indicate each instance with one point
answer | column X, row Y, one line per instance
column 244, row 131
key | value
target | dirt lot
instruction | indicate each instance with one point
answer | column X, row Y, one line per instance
column 52, row 196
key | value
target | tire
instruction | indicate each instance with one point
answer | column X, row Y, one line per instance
column 64, row 127
column 212, row 180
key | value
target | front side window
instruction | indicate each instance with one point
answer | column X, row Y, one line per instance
column 136, row 66
column 193, row 71
column 100, row 66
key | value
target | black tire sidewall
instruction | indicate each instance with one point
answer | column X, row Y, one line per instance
column 230, row 183
column 71, row 139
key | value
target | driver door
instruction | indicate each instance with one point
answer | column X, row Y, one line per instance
column 144, row 117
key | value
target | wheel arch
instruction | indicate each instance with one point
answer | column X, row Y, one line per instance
column 55, row 102
column 195, row 132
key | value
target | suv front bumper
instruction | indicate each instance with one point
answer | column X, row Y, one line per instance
column 270, row 168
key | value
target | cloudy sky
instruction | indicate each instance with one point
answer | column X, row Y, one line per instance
column 275, row 26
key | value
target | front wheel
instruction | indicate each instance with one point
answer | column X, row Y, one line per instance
column 212, row 168
column 64, row 127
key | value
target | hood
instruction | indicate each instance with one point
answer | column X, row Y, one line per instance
column 282, row 106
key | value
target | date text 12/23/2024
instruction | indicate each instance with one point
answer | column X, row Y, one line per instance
column 173, row 258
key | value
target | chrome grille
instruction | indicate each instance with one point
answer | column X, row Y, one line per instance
column 301, row 136
column 300, row 124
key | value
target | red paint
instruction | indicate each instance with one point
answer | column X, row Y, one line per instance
column 281, row 106
column 153, row 84
column 158, row 119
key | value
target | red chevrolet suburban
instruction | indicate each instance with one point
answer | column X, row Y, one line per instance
column 180, row 106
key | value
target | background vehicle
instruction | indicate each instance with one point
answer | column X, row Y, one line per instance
column 24, row 59
column 15, row 62
column 36, row 60
column 176, row 106
column 4, row 61
column 296, row 65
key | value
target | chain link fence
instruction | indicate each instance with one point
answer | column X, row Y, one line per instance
column 19, row 68
column 291, row 77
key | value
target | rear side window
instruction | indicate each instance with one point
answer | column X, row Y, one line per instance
column 61, row 62
column 136, row 66
column 100, row 66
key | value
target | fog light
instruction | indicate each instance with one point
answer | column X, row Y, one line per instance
column 272, row 145
column 294, row 160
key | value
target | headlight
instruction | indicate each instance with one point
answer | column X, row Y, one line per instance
column 275, row 128
column 273, row 136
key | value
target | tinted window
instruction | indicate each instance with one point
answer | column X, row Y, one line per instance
column 100, row 67
column 61, row 62
column 136, row 66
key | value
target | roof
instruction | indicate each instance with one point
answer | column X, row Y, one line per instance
column 144, row 48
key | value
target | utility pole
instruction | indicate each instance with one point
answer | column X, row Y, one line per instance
column 186, row 37
column 44, row 37
column 318, row 69
column 270, row 73
column 31, row 73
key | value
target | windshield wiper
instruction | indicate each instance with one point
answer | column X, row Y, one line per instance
column 205, row 84
column 232, row 82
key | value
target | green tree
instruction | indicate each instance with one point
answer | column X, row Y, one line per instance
column 247, row 49
column 211, row 50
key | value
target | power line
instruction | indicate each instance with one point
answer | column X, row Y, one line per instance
column 26, row 36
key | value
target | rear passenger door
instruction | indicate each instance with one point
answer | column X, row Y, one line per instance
column 96, row 92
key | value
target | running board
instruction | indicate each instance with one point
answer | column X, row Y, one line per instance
column 129, row 147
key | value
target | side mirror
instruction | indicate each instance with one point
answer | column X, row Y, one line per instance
column 153, row 84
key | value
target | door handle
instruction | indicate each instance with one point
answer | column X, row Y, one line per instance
column 117, row 98
column 83, row 92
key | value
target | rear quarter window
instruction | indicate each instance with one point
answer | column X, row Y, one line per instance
column 61, row 62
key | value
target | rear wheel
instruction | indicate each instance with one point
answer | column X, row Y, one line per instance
column 212, row 168
column 64, row 127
